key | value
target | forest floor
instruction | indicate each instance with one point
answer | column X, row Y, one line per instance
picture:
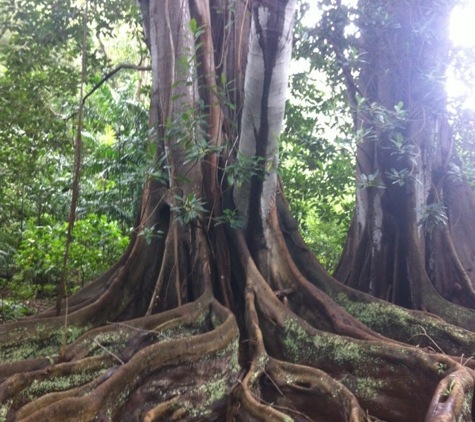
column 12, row 308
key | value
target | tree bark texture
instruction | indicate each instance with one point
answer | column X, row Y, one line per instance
column 409, row 242
column 206, row 321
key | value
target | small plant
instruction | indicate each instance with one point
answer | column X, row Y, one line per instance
column 401, row 148
column 11, row 310
column 449, row 389
column 370, row 181
column 398, row 177
column 188, row 209
column 244, row 169
column 230, row 217
column 363, row 134
column 195, row 29
column 433, row 215
column 379, row 117
column 200, row 150
column 150, row 233
column 441, row 368
column 158, row 170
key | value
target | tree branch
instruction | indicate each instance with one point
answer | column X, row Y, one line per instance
column 112, row 73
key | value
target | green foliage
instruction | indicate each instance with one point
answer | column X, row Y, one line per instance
column 9, row 241
column 441, row 368
column 317, row 165
column 150, row 233
column 399, row 177
column 401, row 148
column 433, row 215
column 381, row 119
column 117, row 156
column 40, row 44
column 96, row 245
column 188, row 209
column 200, row 150
column 367, row 181
column 11, row 310
column 318, row 144
column 197, row 31
column 230, row 217
column 327, row 237
column 244, row 169
column 449, row 389
column 388, row 124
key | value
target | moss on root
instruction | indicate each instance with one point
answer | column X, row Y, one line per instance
column 40, row 388
column 4, row 410
column 214, row 389
column 375, row 372
column 404, row 325
column 202, row 387
column 43, row 342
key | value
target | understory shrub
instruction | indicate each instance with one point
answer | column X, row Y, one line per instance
column 96, row 245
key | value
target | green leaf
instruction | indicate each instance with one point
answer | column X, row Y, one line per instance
column 193, row 25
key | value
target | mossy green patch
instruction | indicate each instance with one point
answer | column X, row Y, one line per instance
column 381, row 317
column 214, row 386
column 4, row 410
column 466, row 407
column 369, row 387
column 325, row 350
column 43, row 342
column 215, row 321
column 297, row 341
column 113, row 341
column 214, row 391
column 232, row 353
column 402, row 325
column 39, row 388
column 302, row 346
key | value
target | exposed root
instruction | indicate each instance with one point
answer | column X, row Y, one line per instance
column 300, row 386
column 395, row 382
column 287, row 386
column 309, row 302
column 160, row 410
column 450, row 398
column 289, row 365
column 390, row 320
column 32, row 391
column 157, row 367
column 112, row 336
column 259, row 359
column 104, row 395
column 167, row 269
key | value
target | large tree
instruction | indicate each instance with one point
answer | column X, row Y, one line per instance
column 412, row 231
column 218, row 310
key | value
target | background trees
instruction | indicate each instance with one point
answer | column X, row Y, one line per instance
column 40, row 58
column 223, row 313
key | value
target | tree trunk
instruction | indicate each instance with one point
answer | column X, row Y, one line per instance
column 410, row 240
column 203, row 320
